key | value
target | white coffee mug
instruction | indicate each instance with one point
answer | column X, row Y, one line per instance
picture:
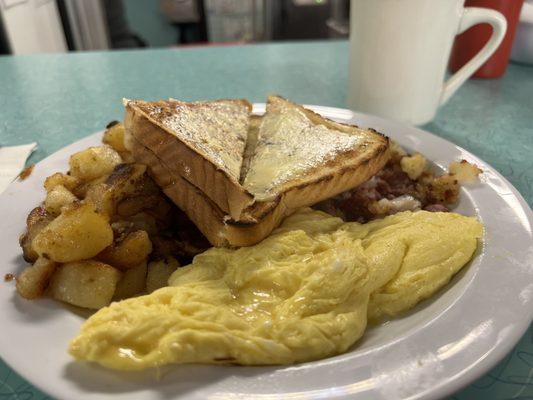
column 399, row 51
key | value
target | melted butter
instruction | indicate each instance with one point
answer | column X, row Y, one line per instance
column 289, row 145
column 218, row 130
column 302, row 294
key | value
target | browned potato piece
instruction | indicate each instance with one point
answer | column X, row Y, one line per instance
column 101, row 197
column 134, row 205
column 78, row 233
column 93, row 162
column 114, row 137
column 58, row 197
column 413, row 165
column 80, row 191
column 464, row 171
column 58, row 178
column 133, row 282
column 32, row 282
column 128, row 252
column 444, row 189
column 88, row 284
column 126, row 180
column 159, row 272
column 37, row 219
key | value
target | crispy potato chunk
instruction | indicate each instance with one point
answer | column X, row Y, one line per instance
column 159, row 272
column 126, row 180
column 59, row 179
column 134, row 205
column 94, row 162
column 32, row 282
column 101, row 197
column 57, row 198
column 89, row 284
column 128, row 252
column 114, row 137
column 133, row 282
column 37, row 219
column 413, row 165
column 78, row 233
column 464, row 172
column 444, row 190
column 81, row 190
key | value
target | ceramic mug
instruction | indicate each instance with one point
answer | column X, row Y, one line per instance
column 399, row 51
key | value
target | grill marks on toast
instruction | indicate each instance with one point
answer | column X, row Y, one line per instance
column 297, row 147
column 217, row 130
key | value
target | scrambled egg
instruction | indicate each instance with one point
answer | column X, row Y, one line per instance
column 301, row 294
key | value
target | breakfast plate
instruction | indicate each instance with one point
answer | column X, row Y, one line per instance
column 440, row 346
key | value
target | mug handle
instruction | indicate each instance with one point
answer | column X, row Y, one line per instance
column 473, row 16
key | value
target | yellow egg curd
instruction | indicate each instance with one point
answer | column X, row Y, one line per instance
column 303, row 293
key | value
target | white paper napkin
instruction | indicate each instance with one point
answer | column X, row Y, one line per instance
column 12, row 161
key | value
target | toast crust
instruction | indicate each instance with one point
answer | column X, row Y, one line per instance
column 205, row 214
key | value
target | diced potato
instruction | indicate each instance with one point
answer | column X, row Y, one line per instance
column 126, row 180
column 37, row 219
column 32, row 282
column 396, row 151
column 413, row 165
column 464, row 172
column 128, row 252
column 134, row 205
column 102, row 198
column 133, row 282
column 81, row 190
column 78, row 233
column 68, row 181
column 131, row 180
column 89, row 284
column 94, row 162
column 443, row 190
column 58, row 197
column 159, row 272
column 114, row 137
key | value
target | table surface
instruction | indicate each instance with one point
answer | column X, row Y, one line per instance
column 57, row 99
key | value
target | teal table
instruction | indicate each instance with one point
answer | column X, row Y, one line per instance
column 57, row 99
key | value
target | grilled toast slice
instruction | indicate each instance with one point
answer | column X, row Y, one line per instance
column 214, row 223
column 301, row 158
column 203, row 142
column 291, row 158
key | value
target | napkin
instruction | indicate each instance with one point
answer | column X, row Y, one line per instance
column 12, row 161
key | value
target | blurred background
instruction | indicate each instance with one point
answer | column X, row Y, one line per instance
column 42, row 26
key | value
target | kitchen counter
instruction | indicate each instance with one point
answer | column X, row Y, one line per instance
column 57, row 99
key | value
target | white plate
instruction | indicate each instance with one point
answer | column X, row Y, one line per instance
column 444, row 344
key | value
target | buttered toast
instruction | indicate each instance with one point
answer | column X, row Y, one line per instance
column 203, row 142
column 291, row 157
